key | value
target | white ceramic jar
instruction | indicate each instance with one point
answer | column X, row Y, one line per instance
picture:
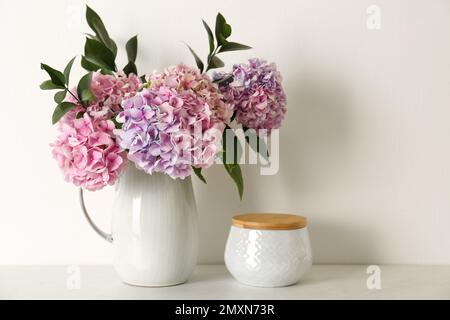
column 268, row 250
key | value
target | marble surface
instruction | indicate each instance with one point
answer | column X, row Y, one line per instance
column 214, row 282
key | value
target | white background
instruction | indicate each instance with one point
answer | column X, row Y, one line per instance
column 365, row 147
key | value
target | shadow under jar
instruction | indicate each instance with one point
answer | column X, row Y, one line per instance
column 268, row 250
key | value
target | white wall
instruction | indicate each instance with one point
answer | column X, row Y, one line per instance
column 365, row 148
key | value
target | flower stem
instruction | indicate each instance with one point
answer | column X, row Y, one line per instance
column 74, row 96
column 210, row 58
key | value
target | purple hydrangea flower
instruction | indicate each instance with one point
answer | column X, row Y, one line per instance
column 257, row 95
column 169, row 131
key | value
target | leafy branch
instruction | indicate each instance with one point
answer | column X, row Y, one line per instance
column 60, row 81
column 100, row 53
column 218, row 43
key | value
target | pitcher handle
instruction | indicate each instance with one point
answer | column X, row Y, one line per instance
column 107, row 236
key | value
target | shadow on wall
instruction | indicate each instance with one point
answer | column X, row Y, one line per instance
column 315, row 136
column 314, row 144
column 339, row 243
column 314, row 161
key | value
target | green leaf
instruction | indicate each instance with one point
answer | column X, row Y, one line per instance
column 60, row 96
column 215, row 63
column 233, row 46
column 260, row 146
column 96, row 64
column 237, row 148
column 117, row 125
column 132, row 46
column 225, row 80
column 210, row 37
column 87, row 95
column 219, row 30
column 84, row 85
column 79, row 115
column 234, row 170
column 96, row 24
column 130, row 68
column 67, row 70
column 61, row 109
column 226, row 30
column 56, row 76
column 49, row 85
column 88, row 65
column 222, row 40
column 198, row 173
column 233, row 117
column 97, row 53
column 113, row 48
column 92, row 36
column 198, row 61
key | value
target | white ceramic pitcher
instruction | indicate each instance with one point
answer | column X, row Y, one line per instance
column 154, row 228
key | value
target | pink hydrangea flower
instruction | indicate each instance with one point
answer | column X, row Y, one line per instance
column 87, row 152
column 257, row 95
column 109, row 91
column 184, row 78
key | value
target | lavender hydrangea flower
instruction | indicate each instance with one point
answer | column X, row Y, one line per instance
column 169, row 131
column 257, row 95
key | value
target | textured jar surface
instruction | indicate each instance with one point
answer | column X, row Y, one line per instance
column 155, row 234
column 268, row 258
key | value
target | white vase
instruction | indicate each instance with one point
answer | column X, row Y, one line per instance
column 154, row 229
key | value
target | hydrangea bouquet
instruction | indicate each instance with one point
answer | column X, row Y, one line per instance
column 172, row 121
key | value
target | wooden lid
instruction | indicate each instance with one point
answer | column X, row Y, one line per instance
column 269, row 221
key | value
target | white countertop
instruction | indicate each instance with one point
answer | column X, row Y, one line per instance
column 214, row 282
